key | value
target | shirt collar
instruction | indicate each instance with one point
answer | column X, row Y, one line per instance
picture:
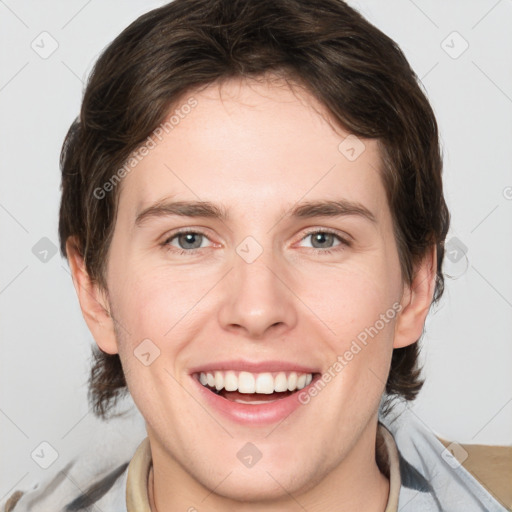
column 137, row 499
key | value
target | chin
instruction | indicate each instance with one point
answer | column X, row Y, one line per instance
column 257, row 487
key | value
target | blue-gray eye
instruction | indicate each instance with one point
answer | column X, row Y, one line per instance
column 322, row 238
column 189, row 240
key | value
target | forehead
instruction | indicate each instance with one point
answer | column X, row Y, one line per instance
column 254, row 144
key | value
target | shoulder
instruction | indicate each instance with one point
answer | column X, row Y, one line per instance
column 490, row 465
column 91, row 471
column 447, row 475
column 70, row 493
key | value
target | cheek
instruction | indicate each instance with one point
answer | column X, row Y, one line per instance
column 352, row 298
column 156, row 301
column 158, row 308
column 360, row 305
column 154, row 312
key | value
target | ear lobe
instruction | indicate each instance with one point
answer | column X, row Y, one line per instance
column 416, row 301
column 93, row 301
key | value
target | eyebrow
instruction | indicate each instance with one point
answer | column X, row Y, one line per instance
column 166, row 208
column 206, row 209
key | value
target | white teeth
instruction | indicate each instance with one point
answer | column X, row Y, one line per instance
column 264, row 383
column 292, row 381
column 219, row 381
column 281, row 382
column 230, row 381
column 246, row 383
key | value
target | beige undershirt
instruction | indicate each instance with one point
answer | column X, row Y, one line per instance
column 140, row 475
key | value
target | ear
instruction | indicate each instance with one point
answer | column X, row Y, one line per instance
column 93, row 301
column 416, row 301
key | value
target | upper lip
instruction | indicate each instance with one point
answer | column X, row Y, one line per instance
column 254, row 367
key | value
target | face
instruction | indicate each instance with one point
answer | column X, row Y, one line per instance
column 255, row 331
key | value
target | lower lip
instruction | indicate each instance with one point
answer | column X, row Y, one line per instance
column 257, row 414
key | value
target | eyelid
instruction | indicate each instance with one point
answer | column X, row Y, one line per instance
column 181, row 231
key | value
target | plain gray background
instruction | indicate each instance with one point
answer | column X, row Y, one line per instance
column 462, row 52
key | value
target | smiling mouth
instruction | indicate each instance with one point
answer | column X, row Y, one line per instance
column 254, row 388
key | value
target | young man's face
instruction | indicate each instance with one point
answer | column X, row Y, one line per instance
column 260, row 297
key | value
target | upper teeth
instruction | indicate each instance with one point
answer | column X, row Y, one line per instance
column 245, row 382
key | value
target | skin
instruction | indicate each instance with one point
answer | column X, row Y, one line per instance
column 293, row 303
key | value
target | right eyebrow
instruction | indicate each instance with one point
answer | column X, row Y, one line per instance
column 182, row 208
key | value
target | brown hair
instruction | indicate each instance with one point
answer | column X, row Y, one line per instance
column 358, row 73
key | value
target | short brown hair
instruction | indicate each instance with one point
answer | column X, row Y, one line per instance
column 358, row 73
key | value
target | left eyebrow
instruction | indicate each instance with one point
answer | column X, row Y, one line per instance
column 331, row 208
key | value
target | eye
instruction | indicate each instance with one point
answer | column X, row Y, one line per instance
column 185, row 241
column 325, row 240
column 189, row 241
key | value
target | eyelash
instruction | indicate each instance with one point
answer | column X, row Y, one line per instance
column 190, row 252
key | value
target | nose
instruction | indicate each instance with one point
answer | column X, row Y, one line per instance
column 258, row 298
